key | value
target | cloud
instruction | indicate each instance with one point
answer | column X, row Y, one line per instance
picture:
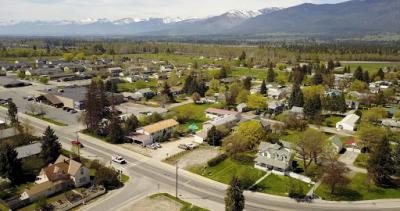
column 115, row 9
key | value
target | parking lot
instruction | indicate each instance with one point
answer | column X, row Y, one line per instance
column 138, row 109
column 17, row 94
column 167, row 149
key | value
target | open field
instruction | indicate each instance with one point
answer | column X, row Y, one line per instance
column 279, row 185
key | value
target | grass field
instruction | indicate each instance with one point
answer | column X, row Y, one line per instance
column 292, row 136
column 362, row 160
column 279, row 185
column 131, row 87
column 226, row 170
column 195, row 112
column 371, row 67
column 358, row 190
column 331, row 121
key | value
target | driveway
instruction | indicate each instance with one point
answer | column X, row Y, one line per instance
column 348, row 158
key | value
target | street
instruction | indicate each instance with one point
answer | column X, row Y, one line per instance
column 149, row 176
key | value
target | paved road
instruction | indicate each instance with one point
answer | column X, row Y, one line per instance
column 148, row 176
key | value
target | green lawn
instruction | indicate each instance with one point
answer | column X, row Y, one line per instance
column 358, row 190
column 185, row 205
column 226, row 170
column 362, row 160
column 44, row 118
column 331, row 121
column 244, row 71
column 279, row 185
column 195, row 113
column 292, row 136
column 371, row 67
column 131, row 87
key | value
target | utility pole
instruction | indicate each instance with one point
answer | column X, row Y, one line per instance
column 176, row 180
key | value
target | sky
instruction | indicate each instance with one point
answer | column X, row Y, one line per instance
column 48, row 10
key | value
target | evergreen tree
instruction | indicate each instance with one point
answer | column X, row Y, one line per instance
column 381, row 74
column 51, row 148
column 358, row 74
column 12, row 112
column 242, row 56
column 296, row 97
column 234, row 200
column 397, row 160
column 247, row 83
column 366, row 77
column 10, row 165
column 381, row 163
column 95, row 106
column 331, row 65
column 166, row 93
column 213, row 137
column 263, row 89
column 317, row 79
column 312, row 106
column 115, row 132
column 271, row 75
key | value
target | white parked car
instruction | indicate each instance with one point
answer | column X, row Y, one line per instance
column 118, row 159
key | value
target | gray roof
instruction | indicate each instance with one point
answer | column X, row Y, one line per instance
column 224, row 120
column 8, row 133
column 77, row 93
column 391, row 122
column 29, row 150
column 274, row 154
column 336, row 141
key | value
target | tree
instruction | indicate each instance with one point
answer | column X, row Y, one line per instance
column 359, row 86
column 312, row 106
column 381, row 74
column 115, row 132
column 263, row 88
column 370, row 135
column 242, row 57
column 95, row 106
column 51, row 148
column 196, row 97
column 131, row 124
column 12, row 112
column 247, row 83
column 107, row 177
column 242, row 96
column 358, row 74
column 256, row 101
column 10, row 165
column 296, row 97
column 381, row 163
column 253, row 131
column 234, row 200
column 397, row 160
column 366, row 76
column 166, row 93
column 317, row 79
column 310, row 146
column 214, row 137
column 271, row 75
column 334, row 172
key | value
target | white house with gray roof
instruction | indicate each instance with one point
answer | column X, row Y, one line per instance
column 274, row 156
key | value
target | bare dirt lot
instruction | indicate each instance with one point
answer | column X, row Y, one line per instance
column 159, row 203
column 196, row 157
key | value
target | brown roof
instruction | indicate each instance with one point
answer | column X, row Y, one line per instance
column 160, row 125
column 62, row 168
column 42, row 187
column 52, row 99
column 73, row 166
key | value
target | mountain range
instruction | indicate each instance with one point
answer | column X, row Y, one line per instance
column 355, row 17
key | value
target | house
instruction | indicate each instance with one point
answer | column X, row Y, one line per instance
column 274, row 156
column 159, row 131
column 276, row 106
column 61, row 175
column 336, row 143
column 29, row 150
column 143, row 93
column 392, row 123
column 114, row 71
column 352, row 104
column 213, row 113
column 348, row 123
column 242, row 107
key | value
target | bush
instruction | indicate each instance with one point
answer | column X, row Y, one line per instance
column 96, row 165
column 215, row 161
column 107, row 177
column 243, row 158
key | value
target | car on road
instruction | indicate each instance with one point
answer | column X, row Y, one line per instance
column 118, row 159
column 77, row 143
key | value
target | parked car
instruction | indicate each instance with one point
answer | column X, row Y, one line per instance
column 152, row 146
column 158, row 145
column 73, row 111
column 186, row 146
column 118, row 159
